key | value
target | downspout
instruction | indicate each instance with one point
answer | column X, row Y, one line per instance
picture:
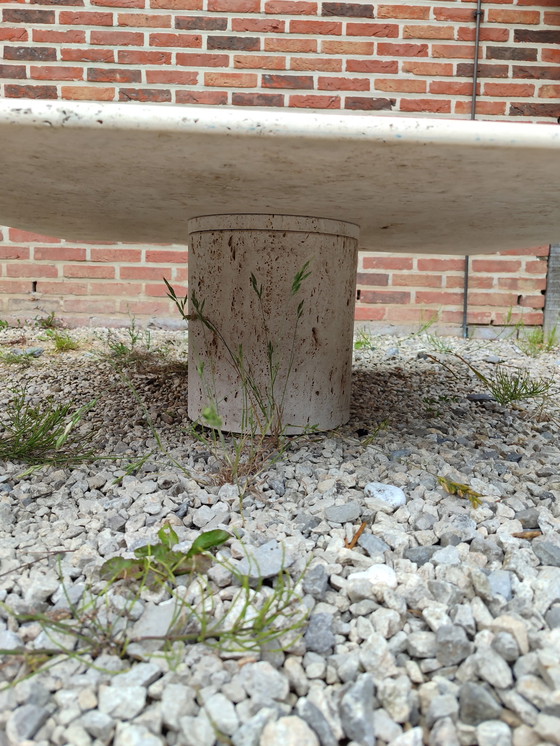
column 478, row 19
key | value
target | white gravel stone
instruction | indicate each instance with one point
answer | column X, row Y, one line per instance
column 288, row 731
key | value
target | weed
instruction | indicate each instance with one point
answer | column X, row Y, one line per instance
column 47, row 322
column 3, row 324
column 536, row 342
column 44, row 433
column 507, row 386
column 440, row 344
column 62, row 341
column 102, row 620
column 16, row 358
column 363, row 340
column 461, row 490
column 137, row 348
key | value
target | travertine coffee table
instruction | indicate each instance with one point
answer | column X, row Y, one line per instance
column 260, row 194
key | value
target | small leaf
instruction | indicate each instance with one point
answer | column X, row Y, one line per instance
column 208, row 540
column 168, row 536
column 119, row 567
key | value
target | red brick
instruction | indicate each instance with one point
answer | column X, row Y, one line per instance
column 49, row 36
column 117, row 38
column 201, row 97
column 11, row 287
column 176, row 4
column 259, row 61
column 489, row 108
column 152, row 95
column 369, row 313
column 372, row 278
column 239, row 43
column 551, row 55
column 201, row 23
column 283, row 44
column 454, row 14
column 31, row 270
column 258, row 25
column 316, row 27
column 88, row 93
column 315, row 102
column 384, row 296
column 63, row 289
column 160, row 256
column 18, row 235
column 120, row 3
column 113, row 75
column 401, row 84
column 536, row 267
column 176, row 40
column 145, row 273
column 400, row 314
column 125, row 289
column 486, row 34
column 451, row 88
column 347, row 10
column 160, row 290
column 385, row 67
column 428, row 68
column 146, row 308
column 132, row 57
column 87, row 55
column 453, row 51
column 34, row 54
column 549, row 91
column 475, row 281
column 14, row 252
column 428, row 32
column 532, row 301
column 496, row 266
column 505, row 300
column 257, row 99
column 85, row 18
column 144, row 20
column 514, row 17
column 551, row 18
column 323, row 64
column 290, row 7
column 430, row 264
column 439, row 297
column 366, row 103
column 403, row 11
column 30, row 91
column 14, row 72
column 234, row 6
column 27, row 15
column 116, row 255
column 416, row 279
column 202, row 60
column 99, row 272
column 387, row 262
column 287, row 81
column 522, row 283
column 347, row 47
column 402, row 50
column 59, row 254
column 171, row 77
column 425, row 104
column 231, row 80
column 510, row 90
column 13, row 34
column 383, row 30
column 343, row 84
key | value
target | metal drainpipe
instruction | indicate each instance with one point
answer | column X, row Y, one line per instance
column 478, row 17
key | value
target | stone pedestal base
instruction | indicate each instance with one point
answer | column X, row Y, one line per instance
column 271, row 301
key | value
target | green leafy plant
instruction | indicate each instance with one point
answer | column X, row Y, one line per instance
column 158, row 563
column 102, row 620
column 47, row 322
column 507, row 386
column 44, row 433
column 536, row 342
column 62, row 341
column 3, row 324
column 135, row 348
column 363, row 340
column 24, row 359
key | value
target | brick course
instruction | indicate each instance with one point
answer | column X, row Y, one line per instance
column 396, row 58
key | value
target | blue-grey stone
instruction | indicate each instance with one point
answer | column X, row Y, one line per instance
column 452, row 644
column 343, row 513
column 319, row 635
column 265, row 561
column 500, row 583
column 356, row 711
column 316, row 721
column 316, row 581
column 547, row 551
column 420, row 555
column 476, row 704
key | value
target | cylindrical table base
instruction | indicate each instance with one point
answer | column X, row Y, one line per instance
column 271, row 303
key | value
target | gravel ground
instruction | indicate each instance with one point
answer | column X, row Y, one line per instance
column 439, row 625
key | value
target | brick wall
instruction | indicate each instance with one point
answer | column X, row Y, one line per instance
column 407, row 58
